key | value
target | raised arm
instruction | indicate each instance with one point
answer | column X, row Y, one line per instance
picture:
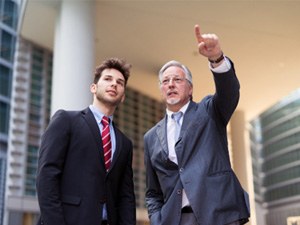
column 209, row 47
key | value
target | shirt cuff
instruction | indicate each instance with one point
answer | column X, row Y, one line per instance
column 222, row 68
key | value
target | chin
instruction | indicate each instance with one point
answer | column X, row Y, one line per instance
column 172, row 101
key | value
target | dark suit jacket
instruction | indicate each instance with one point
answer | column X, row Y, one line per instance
column 203, row 169
column 72, row 183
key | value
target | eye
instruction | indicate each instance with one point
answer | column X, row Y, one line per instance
column 165, row 81
column 121, row 82
column 107, row 78
column 177, row 80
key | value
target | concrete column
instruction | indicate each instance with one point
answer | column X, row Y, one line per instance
column 241, row 157
column 73, row 55
column 237, row 125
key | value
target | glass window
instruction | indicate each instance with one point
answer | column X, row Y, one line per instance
column 10, row 14
column 5, row 81
column 31, row 170
column 34, row 118
column 7, row 46
column 4, row 115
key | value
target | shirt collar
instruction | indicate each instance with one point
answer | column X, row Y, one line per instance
column 98, row 114
column 183, row 109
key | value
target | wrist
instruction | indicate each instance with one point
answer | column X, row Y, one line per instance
column 217, row 60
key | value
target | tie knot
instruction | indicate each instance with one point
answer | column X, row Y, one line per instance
column 177, row 116
column 105, row 121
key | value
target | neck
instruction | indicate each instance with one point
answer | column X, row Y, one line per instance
column 177, row 107
column 173, row 108
column 106, row 110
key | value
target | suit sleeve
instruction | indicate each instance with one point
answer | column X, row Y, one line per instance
column 226, row 97
column 127, row 198
column 154, row 195
column 52, row 154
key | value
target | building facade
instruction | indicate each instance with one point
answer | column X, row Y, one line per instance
column 9, row 13
column 275, row 150
column 29, row 116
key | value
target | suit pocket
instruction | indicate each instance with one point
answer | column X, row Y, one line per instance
column 72, row 200
column 220, row 173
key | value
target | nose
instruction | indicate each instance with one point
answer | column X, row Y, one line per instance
column 171, row 82
column 114, row 82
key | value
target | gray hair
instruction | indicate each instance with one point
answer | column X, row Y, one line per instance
column 188, row 74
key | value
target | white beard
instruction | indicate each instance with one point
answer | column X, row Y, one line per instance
column 173, row 101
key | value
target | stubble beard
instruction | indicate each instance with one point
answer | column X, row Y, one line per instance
column 107, row 101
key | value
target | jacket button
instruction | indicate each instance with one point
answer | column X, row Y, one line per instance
column 179, row 191
column 181, row 170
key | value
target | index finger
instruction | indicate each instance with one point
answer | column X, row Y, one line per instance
column 198, row 33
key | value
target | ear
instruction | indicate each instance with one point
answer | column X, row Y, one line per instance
column 93, row 88
column 191, row 90
column 123, row 98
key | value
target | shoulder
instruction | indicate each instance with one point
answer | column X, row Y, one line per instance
column 67, row 113
column 200, row 106
column 73, row 113
column 64, row 117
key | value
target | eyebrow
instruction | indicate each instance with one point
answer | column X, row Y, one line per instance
column 111, row 76
column 108, row 75
column 172, row 75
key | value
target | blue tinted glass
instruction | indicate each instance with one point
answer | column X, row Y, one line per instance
column 4, row 117
column 10, row 14
column 7, row 46
column 5, row 81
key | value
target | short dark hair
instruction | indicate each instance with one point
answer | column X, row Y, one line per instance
column 113, row 63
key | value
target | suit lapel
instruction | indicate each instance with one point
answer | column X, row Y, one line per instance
column 119, row 147
column 90, row 120
column 161, row 133
column 187, row 123
column 189, row 116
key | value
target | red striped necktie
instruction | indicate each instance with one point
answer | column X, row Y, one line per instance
column 106, row 142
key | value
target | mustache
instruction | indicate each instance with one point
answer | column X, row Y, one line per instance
column 171, row 92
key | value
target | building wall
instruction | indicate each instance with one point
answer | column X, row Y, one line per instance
column 29, row 115
column 8, row 26
column 275, row 136
column 2, row 183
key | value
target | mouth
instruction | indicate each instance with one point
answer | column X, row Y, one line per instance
column 172, row 93
column 112, row 92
